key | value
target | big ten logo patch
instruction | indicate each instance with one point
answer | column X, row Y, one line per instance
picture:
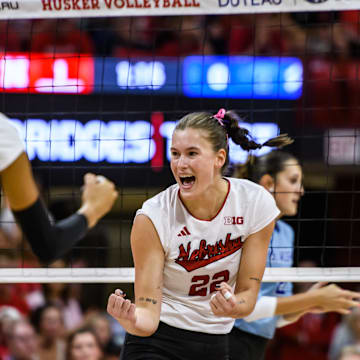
column 233, row 220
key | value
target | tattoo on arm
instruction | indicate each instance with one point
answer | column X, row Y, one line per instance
column 241, row 301
column 149, row 300
column 256, row 279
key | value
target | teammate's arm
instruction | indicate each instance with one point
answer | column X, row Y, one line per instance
column 142, row 317
column 51, row 241
column 319, row 298
column 251, row 271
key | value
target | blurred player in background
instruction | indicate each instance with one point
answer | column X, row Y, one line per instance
column 49, row 241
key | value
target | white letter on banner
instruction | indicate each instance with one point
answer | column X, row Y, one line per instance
column 218, row 76
column 63, row 140
column 60, row 82
column 139, row 147
column 265, row 78
column 123, row 74
column 140, row 75
column 87, row 140
column 293, row 76
column 38, row 139
column 166, row 131
column 148, row 75
column 158, row 75
column 112, row 141
column 14, row 72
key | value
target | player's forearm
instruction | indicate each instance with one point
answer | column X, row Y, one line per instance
column 296, row 303
column 295, row 316
column 145, row 325
column 285, row 320
column 90, row 214
column 50, row 241
column 245, row 303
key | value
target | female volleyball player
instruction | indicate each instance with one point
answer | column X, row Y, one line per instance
column 187, row 243
column 281, row 175
column 49, row 241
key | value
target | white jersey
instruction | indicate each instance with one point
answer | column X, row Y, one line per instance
column 11, row 145
column 199, row 254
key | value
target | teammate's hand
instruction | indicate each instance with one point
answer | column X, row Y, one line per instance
column 98, row 197
column 223, row 302
column 334, row 298
column 120, row 308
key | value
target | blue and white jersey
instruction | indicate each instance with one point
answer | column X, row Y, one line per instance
column 280, row 254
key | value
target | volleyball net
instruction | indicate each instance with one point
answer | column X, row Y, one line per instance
column 97, row 85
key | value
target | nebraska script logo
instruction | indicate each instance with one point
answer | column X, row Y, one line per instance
column 207, row 254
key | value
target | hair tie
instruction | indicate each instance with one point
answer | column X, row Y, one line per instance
column 220, row 116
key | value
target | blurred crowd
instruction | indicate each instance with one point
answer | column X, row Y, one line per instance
column 48, row 321
column 51, row 321
column 42, row 335
column 297, row 34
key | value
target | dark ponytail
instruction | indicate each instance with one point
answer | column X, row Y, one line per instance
column 242, row 137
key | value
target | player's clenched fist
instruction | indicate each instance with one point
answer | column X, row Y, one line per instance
column 120, row 308
column 223, row 302
column 98, row 197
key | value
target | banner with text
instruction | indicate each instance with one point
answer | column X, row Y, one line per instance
column 95, row 8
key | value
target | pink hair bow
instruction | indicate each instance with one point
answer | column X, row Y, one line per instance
column 220, row 116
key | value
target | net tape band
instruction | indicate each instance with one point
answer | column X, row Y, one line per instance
column 127, row 275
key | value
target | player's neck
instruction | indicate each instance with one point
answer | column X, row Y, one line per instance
column 207, row 206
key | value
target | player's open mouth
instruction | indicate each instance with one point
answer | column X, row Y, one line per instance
column 187, row 181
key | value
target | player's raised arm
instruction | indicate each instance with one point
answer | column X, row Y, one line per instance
column 48, row 240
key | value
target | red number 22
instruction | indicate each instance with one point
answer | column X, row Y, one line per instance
column 200, row 283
